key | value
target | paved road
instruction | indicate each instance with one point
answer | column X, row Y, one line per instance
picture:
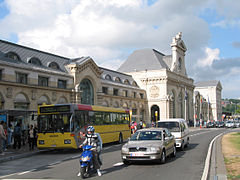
column 186, row 165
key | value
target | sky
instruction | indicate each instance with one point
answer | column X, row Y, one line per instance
column 110, row 30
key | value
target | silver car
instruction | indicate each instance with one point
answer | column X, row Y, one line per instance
column 153, row 144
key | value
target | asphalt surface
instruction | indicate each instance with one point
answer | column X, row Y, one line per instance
column 188, row 164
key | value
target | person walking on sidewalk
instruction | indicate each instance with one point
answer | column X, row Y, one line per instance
column 9, row 136
column 2, row 137
column 17, row 133
column 31, row 137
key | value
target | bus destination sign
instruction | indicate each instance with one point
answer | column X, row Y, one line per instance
column 55, row 109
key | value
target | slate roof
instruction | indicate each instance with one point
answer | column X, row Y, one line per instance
column 143, row 59
column 207, row 83
column 25, row 53
column 114, row 74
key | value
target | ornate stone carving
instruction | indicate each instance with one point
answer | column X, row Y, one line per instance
column 154, row 91
column 9, row 92
column 54, row 96
column 34, row 94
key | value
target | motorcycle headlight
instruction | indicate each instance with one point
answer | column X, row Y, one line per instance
column 87, row 158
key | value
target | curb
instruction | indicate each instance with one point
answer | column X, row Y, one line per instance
column 19, row 156
column 218, row 169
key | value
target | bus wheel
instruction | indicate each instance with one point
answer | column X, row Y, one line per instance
column 120, row 139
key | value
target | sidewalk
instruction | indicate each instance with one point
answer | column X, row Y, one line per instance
column 12, row 154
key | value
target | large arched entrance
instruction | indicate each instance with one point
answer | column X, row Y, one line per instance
column 86, row 89
column 155, row 113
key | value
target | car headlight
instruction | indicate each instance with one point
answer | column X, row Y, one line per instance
column 124, row 149
column 153, row 149
column 87, row 158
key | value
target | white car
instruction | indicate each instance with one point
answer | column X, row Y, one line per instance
column 179, row 129
column 229, row 124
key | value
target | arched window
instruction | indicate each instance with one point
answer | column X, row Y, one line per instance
column 54, row 65
column 180, row 100
column 172, row 104
column 1, row 101
column 108, row 77
column 116, row 104
column 117, row 79
column 35, row 61
column 21, row 102
column 87, row 93
column 134, row 83
column 13, row 55
column 62, row 100
column 105, row 103
column 43, row 99
column 126, row 82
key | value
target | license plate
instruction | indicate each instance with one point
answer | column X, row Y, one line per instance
column 137, row 154
column 54, row 145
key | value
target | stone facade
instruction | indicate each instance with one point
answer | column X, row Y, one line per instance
column 211, row 92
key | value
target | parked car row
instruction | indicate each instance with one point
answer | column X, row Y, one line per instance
column 222, row 124
column 157, row 143
column 232, row 124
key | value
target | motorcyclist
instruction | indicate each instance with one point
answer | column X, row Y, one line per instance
column 93, row 139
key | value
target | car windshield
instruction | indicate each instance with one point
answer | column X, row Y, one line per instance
column 172, row 126
column 147, row 135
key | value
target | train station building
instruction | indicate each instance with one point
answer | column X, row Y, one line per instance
column 152, row 85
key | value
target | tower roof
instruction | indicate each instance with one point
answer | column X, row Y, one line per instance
column 143, row 59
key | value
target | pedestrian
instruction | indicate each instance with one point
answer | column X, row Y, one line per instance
column 2, row 137
column 5, row 140
column 144, row 124
column 35, row 134
column 140, row 124
column 31, row 138
column 9, row 135
column 17, row 133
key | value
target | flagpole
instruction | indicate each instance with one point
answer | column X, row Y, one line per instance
column 186, row 105
column 200, row 111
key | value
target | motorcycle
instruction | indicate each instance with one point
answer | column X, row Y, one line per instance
column 86, row 162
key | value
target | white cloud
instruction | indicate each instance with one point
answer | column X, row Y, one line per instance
column 211, row 55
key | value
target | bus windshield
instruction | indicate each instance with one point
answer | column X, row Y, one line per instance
column 54, row 123
column 172, row 126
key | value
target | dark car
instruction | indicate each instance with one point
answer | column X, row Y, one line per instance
column 210, row 125
column 220, row 124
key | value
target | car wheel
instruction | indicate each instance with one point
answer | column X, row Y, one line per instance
column 182, row 146
column 174, row 151
column 163, row 157
column 187, row 143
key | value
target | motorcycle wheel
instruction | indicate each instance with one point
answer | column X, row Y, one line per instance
column 84, row 174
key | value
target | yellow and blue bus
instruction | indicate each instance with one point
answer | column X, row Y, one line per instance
column 63, row 126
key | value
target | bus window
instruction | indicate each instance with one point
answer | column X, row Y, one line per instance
column 98, row 118
column 106, row 118
column 114, row 118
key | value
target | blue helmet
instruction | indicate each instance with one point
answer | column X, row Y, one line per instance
column 90, row 129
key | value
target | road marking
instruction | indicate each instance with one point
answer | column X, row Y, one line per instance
column 118, row 164
column 207, row 161
column 8, row 175
column 25, row 172
column 54, row 163
column 75, row 157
